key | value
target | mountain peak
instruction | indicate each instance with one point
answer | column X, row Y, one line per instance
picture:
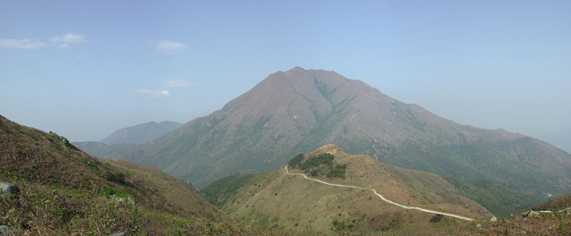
column 300, row 110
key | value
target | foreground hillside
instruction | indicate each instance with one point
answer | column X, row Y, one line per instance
column 284, row 198
column 64, row 191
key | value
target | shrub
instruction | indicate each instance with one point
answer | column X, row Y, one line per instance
column 436, row 218
column 296, row 160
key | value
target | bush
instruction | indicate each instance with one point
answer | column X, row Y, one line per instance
column 115, row 177
column 436, row 218
column 296, row 160
column 321, row 159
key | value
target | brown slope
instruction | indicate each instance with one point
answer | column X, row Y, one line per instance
column 298, row 204
column 73, row 186
column 299, row 110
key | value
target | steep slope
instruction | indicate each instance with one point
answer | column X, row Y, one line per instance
column 550, row 218
column 141, row 133
column 285, row 198
column 65, row 191
column 299, row 110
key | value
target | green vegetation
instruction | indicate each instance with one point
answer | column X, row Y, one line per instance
column 500, row 201
column 436, row 218
column 52, row 210
column 296, row 160
column 221, row 190
column 107, row 192
column 116, row 177
column 322, row 164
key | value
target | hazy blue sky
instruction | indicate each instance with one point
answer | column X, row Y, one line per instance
column 84, row 69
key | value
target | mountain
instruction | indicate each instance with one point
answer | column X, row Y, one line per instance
column 284, row 198
column 300, row 110
column 99, row 149
column 64, row 191
column 141, row 133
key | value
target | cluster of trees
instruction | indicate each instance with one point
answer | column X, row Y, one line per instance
column 296, row 160
column 322, row 164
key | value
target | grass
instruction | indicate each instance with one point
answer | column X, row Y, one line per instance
column 64, row 191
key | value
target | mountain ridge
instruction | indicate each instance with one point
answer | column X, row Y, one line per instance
column 299, row 110
column 280, row 195
column 142, row 133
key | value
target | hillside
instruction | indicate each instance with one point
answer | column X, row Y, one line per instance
column 142, row 133
column 64, row 191
column 295, row 203
column 300, row 110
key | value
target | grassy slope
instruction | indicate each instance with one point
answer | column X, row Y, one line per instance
column 293, row 203
column 65, row 192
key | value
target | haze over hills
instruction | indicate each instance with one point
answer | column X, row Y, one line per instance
column 291, row 201
column 300, row 110
column 142, row 133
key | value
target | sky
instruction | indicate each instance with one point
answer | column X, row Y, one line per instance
column 84, row 69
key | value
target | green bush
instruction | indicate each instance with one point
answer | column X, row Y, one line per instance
column 436, row 218
column 296, row 160
column 321, row 159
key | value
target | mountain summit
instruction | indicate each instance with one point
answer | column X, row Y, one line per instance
column 300, row 110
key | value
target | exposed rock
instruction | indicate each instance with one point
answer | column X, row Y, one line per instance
column 7, row 189
column 127, row 200
column 533, row 213
column 5, row 230
column 530, row 213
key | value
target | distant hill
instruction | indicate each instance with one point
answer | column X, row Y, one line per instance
column 298, row 204
column 300, row 110
column 64, row 191
column 99, row 149
column 142, row 133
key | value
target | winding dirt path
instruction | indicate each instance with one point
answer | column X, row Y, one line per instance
column 382, row 197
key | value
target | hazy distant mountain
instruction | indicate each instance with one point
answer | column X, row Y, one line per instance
column 300, row 110
column 142, row 133
column 280, row 197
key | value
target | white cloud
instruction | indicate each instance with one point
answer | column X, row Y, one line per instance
column 20, row 43
column 63, row 41
column 170, row 45
column 154, row 94
column 177, row 83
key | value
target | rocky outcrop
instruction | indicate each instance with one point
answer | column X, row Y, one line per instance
column 7, row 189
column 532, row 213
column 5, row 230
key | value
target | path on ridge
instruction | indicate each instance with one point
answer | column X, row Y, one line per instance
column 382, row 197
